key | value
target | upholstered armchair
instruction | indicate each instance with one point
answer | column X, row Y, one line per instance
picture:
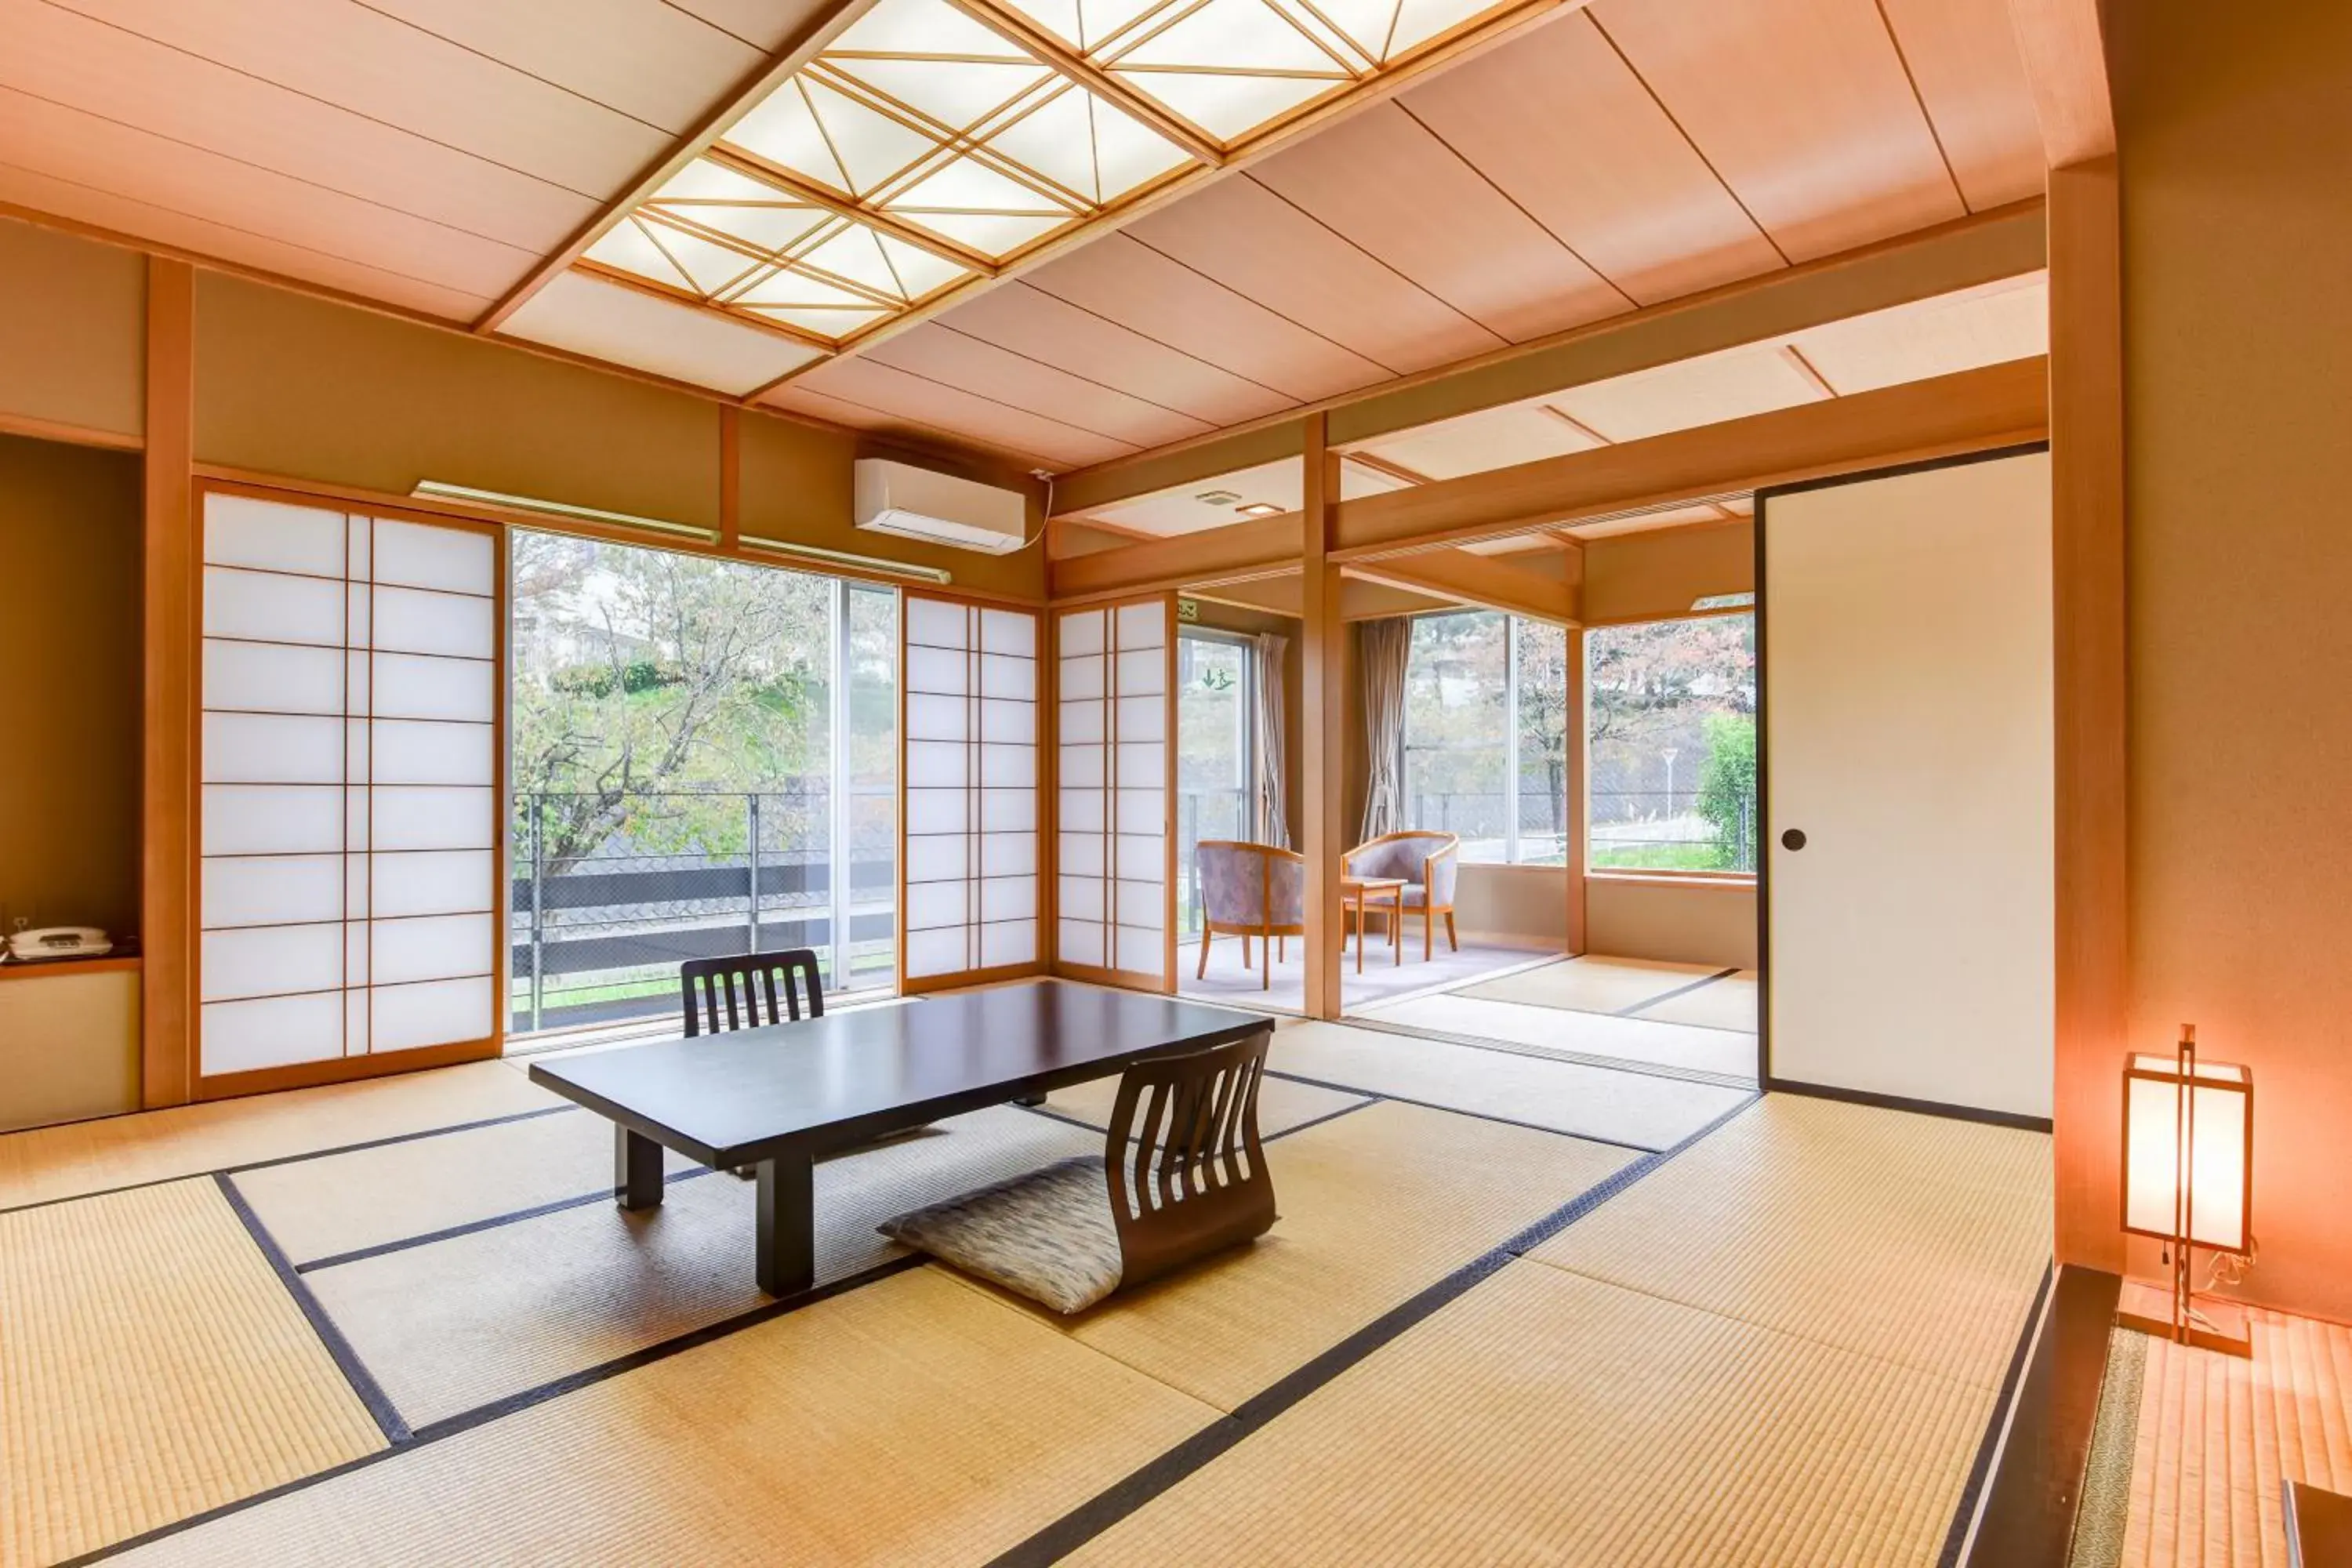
column 1425, row 862
column 1250, row 890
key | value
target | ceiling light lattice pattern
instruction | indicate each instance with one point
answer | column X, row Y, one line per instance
column 932, row 141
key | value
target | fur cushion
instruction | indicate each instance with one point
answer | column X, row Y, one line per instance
column 1047, row 1235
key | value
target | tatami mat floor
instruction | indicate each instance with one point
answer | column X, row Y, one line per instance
column 1450, row 1347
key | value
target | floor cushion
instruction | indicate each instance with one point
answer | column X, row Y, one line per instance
column 1047, row 1235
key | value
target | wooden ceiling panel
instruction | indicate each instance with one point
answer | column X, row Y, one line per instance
column 645, row 58
column 943, row 355
column 1034, row 323
column 1695, row 392
column 1490, row 438
column 1963, row 56
column 105, row 209
column 1246, row 237
column 1384, row 181
column 632, row 327
column 1136, row 286
column 762, row 24
column 342, row 52
column 101, row 154
column 1652, row 521
column 1991, row 325
column 69, row 60
column 1556, row 120
column 887, row 390
column 1804, row 109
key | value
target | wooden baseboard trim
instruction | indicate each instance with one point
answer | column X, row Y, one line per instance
column 1917, row 1107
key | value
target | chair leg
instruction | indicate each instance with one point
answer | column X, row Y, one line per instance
column 1428, row 933
column 1451, row 941
column 1245, row 950
column 1282, row 950
column 1265, row 974
column 1203, row 971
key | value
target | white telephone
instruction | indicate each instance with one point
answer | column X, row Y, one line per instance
column 59, row 942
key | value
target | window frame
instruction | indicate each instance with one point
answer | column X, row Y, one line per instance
column 1513, row 838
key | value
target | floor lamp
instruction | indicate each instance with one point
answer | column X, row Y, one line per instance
column 2189, row 1134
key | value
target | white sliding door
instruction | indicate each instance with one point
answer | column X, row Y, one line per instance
column 1908, row 701
column 969, row 802
column 1111, row 852
column 349, row 760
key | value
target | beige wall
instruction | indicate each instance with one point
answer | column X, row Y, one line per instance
column 2236, row 134
column 1514, row 906
column 70, row 669
column 72, row 330
column 1676, row 919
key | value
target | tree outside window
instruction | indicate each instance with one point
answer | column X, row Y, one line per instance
column 1486, row 728
column 1671, row 723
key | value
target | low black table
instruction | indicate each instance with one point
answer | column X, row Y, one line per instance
column 779, row 1097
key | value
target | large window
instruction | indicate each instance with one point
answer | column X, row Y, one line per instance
column 1670, row 717
column 1215, row 700
column 704, row 762
column 1485, row 734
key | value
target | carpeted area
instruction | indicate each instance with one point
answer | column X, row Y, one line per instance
column 1547, row 1417
column 1375, row 1204
column 456, row 1324
column 1914, row 1239
column 1603, row 1038
column 912, row 1420
column 1564, row 1097
column 51, row 1162
column 1384, row 978
column 152, row 1366
column 1590, row 983
column 1664, row 1369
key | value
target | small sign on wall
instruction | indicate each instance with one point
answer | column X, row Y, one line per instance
column 1187, row 610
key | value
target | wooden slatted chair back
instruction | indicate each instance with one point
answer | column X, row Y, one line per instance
column 747, row 992
column 1186, row 1167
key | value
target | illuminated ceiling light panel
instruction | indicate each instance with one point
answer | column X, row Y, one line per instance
column 934, row 141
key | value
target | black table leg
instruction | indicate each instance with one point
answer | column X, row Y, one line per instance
column 787, row 1223
column 637, row 1170
column 1030, row 1099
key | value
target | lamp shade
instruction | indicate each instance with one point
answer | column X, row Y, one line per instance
column 2197, row 1120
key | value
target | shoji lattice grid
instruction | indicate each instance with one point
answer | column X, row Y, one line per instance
column 971, row 679
column 348, row 881
column 1111, row 897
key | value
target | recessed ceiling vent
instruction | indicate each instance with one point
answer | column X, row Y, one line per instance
column 922, row 503
column 1218, row 498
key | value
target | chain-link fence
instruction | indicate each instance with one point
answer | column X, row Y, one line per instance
column 613, row 891
column 1662, row 830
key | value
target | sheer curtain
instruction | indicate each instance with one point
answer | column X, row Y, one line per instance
column 1273, row 787
column 1383, row 646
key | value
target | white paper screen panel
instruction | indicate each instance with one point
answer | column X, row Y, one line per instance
column 347, row 885
column 1111, row 855
column 971, row 808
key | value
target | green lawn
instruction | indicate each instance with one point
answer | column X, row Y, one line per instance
column 1661, row 857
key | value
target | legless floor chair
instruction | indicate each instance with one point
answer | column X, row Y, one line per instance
column 1181, row 1175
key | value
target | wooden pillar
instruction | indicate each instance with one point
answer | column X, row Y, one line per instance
column 167, row 759
column 1323, row 712
column 1575, row 835
column 730, row 477
column 2087, row 442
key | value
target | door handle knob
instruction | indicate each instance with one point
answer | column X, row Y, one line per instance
column 1793, row 839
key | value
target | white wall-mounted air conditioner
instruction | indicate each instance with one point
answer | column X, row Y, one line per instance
column 920, row 503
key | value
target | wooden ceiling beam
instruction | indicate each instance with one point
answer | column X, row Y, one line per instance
column 797, row 51
column 1477, row 580
column 2006, row 242
column 2064, row 50
column 1973, row 410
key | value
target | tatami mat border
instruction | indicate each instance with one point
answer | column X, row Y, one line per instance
column 1374, row 1096
column 1700, row 983
column 1555, row 1054
column 1997, row 1426
column 489, row 1222
column 355, row 1373
column 1108, row 1507
column 275, row 1161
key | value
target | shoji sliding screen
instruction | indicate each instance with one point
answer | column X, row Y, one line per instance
column 969, row 903
column 347, row 884
column 1114, row 771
